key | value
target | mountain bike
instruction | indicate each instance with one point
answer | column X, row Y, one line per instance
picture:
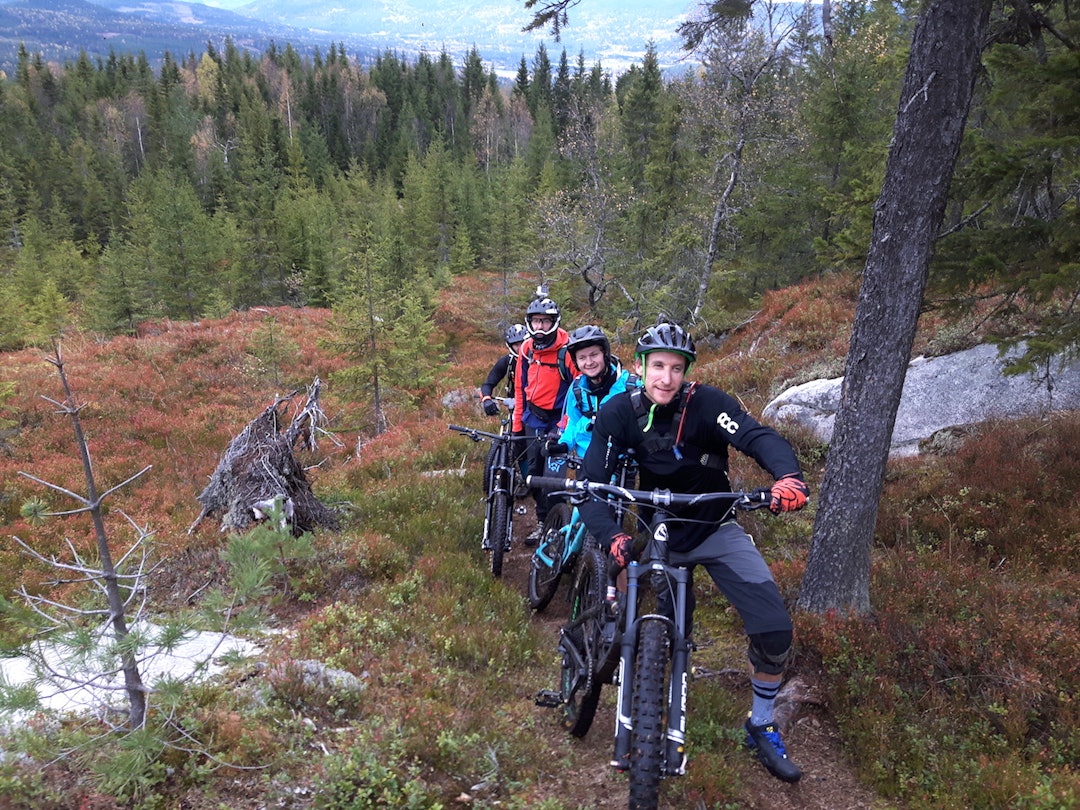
column 562, row 539
column 638, row 642
column 501, row 478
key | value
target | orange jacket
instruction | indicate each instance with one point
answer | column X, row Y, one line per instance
column 539, row 381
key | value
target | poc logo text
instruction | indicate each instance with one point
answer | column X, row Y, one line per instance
column 727, row 423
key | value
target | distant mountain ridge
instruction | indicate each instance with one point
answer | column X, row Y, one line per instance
column 611, row 32
column 60, row 29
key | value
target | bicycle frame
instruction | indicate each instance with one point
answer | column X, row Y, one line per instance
column 654, row 652
column 571, row 535
column 500, row 480
column 574, row 532
column 656, row 574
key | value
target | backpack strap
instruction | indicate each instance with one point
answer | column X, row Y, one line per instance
column 655, row 443
column 564, row 368
column 560, row 363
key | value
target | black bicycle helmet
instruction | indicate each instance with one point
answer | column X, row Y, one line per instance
column 515, row 334
column 667, row 337
column 542, row 306
column 589, row 335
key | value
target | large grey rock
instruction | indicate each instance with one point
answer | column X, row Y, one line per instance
column 958, row 389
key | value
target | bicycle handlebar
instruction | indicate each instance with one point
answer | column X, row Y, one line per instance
column 479, row 435
column 754, row 499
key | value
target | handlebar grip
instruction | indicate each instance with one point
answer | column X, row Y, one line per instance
column 758, row 498
column 547, row 482
column 459, row 428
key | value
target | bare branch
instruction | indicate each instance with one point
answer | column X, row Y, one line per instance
column 111, row 490
column 58, row 488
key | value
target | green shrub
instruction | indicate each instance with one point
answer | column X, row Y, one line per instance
column 372, row 776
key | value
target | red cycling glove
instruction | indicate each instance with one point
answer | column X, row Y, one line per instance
column 621, row 550
column 788, row 494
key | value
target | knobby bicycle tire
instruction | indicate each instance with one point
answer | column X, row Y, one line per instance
column 586, row 608
column 648, row 715
column 544, row 576
column 499, row 517
column 499, row 508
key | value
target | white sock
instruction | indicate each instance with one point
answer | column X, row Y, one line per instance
column 765, row 692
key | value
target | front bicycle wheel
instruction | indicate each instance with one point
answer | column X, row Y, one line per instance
column 647, row 715
column 581, row 690
column 547, row 560
column 498, row 526
column 499, row 512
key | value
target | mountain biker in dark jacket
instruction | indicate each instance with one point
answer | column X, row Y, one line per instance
column 680, row 433
column 504, row 367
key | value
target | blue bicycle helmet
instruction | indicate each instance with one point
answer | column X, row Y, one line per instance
column 515, row 334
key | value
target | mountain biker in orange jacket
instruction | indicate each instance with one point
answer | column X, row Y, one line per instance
column 680, row 433
column 543, row 376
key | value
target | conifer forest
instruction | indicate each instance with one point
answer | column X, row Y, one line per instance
column 226, row 179
column 203, row 233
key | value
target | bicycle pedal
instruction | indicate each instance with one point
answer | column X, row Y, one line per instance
column 548, row 698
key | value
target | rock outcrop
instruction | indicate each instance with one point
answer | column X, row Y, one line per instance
column 953, row 390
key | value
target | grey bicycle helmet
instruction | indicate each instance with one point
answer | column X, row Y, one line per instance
column 667, row 337
column 542, row 306
column 515, row 334
column 589, row 335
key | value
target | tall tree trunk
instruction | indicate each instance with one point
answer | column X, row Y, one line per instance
column 934, row 102
column 373, row 345
column 721, row 218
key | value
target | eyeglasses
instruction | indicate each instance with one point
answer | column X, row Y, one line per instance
column 538, row 320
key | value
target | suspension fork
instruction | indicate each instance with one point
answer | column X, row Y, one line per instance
column 675, row 750
column 501, row 473
column 623, row 722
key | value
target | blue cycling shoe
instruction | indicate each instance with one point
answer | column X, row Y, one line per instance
column 765, row 741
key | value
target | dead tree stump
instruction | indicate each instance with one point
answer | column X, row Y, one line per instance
column 260, row 466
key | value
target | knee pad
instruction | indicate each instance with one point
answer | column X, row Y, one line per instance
column 769, row 652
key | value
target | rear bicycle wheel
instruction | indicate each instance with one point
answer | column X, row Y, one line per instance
column 547, row 560
column 581, row 690
column 648, row 715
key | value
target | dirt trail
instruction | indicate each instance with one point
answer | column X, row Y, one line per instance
column 828, row 782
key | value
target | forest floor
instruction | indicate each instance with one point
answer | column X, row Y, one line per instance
column 829, row 782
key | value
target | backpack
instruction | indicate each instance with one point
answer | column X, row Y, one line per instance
column 585, row 399
column 655, row 443
column 560, row 363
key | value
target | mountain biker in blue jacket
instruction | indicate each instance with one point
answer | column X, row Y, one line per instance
column 601, row 378
column 680, row 433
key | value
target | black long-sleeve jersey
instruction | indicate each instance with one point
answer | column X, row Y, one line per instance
column 504, row 367
column 711, row 421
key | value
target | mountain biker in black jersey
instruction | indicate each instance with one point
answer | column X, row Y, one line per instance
column 504, row 367
column 680, row 432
